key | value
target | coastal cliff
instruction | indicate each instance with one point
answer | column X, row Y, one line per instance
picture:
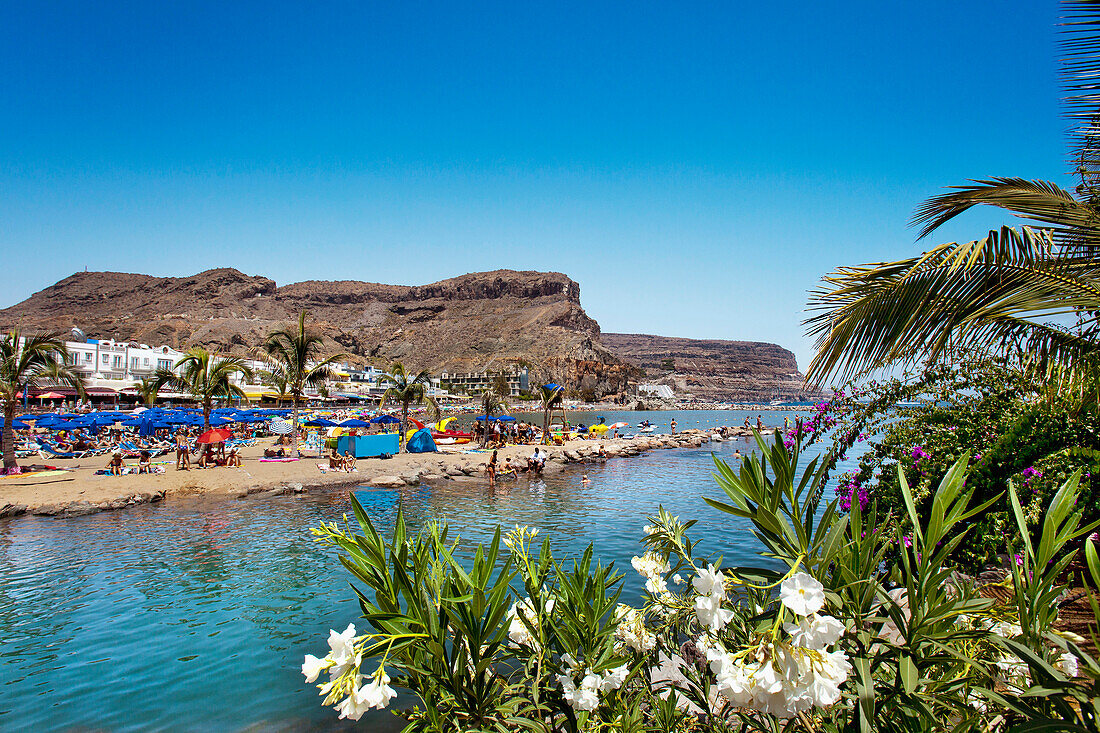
column 711, row 369
column 491, row 320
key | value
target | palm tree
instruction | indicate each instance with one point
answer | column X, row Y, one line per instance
column 999, row 293
column 492, row 400
column 147, row 391
column 407, row 389
column 551, row 396
column 206, row 376
column 27, row 363
column 276, row 379
column 293, row 358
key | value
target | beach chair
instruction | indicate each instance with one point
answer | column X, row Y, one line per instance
column 45, row 450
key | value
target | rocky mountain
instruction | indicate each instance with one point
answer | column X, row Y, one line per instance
column 711, row 369
column 490, row 320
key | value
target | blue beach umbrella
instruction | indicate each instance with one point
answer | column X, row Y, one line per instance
column 321, row 422
column 352, row 422
column 385, row 420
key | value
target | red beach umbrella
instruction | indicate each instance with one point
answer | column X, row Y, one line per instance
column 217, row 435
column 616, row 426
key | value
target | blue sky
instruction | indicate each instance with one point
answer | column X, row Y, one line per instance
column 696, row 167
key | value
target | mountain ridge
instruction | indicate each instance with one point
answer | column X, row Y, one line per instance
column 472, row 322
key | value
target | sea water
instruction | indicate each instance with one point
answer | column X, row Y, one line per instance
column 195, row 615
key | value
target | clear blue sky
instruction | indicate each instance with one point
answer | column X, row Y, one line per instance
column 696, row 167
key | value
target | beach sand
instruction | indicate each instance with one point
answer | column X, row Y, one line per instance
column 80, row 491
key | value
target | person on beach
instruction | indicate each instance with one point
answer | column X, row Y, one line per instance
column 145, row 463
column 114, row 466
column 601, row 453
column 746, row 422
column 207, row 458
column 674, row 426
column 183, row 454
column 335, row 463
column 349, row 461
column 491, row 470
column 509, row 468
column 759, row 423
column 234, row 459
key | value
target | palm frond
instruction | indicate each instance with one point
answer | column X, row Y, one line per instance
column 1080, row 44
column 996, row 292
column 1040, row 201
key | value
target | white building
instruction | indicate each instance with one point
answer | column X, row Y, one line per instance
column 660, row 391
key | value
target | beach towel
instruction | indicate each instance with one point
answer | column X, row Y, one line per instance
column 277, row 460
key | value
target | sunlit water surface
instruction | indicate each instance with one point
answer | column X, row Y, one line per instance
column 195, row 616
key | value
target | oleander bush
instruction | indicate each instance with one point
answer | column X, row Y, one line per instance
column 842, row 625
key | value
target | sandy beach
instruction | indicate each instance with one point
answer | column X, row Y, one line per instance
column 78, row 490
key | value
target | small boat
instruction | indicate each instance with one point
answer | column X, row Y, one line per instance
column 648, row 429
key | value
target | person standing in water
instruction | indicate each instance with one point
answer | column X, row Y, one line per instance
column 674, row 426
column 491, row 469
column 759, row 423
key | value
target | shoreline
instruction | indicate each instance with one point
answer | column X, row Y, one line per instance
column 79, row 491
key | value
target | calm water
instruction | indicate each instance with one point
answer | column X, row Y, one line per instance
column 196, row 616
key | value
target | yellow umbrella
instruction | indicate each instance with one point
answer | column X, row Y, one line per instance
column 598, row 429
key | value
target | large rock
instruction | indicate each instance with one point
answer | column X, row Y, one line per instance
column 389, row 482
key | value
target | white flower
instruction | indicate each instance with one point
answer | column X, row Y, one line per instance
column 677, row 579
column 802, row 594
column 583, row 698
column 518, row 633
column 613, row 678
column 815, row 632
column 376, row 695
column 709, row 611
column 342, row 655
column 313, row 667
column 1006, row 629
column 1067, row 663
column 710, row 582
column 352, row 707
column 631, row 631
column 828, row 678
column 652, row 567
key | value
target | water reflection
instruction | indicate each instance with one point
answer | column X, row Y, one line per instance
column 194, row 616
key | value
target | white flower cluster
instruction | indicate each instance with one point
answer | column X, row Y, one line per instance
column 710, row 584
column 631, row 633
column 585, row 695
column 652, row 567
column 344, row 659
column 518, row 633
column 782, row 677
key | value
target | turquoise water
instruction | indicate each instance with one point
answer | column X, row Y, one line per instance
column 195, row 616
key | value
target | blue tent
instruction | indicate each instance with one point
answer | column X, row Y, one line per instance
column 421, row 442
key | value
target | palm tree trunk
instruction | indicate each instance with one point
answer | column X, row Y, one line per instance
column 404, row 426
column 294, row 423
column 7, row 441
column 206, row 405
